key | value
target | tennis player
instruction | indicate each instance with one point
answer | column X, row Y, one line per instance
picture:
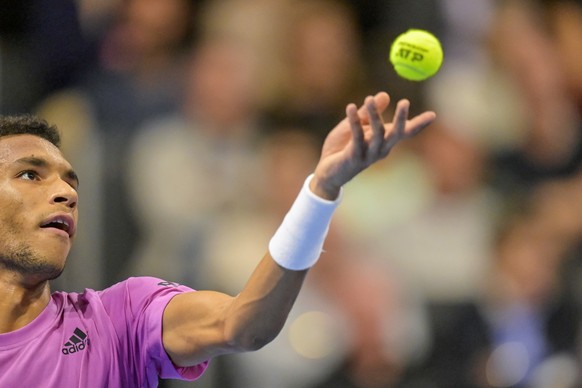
column 143, row 329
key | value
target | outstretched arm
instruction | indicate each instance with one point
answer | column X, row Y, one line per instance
column 200, row 325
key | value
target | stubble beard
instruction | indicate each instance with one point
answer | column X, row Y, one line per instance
column 24, row 261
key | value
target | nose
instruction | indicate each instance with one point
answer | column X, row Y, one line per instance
column 65, row 194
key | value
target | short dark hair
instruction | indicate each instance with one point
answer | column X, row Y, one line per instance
column 27, row 124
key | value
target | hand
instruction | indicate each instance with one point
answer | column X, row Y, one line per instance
column 362, row 139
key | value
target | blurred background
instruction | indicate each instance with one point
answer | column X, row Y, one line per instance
column 192, row 124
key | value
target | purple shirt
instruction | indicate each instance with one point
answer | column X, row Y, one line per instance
column 110, row 338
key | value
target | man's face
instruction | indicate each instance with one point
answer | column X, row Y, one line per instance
column 38, row 207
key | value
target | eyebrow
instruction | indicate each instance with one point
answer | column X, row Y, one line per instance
column 39, row 162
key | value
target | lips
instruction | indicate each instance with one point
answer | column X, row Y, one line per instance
column 62, row 222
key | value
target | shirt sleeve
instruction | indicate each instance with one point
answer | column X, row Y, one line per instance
column 141, row 302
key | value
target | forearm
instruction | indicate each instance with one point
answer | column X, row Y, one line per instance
column 258, row 313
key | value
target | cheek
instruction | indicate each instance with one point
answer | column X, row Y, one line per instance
column 12, row 233
column 11, row 221
column 14, row 214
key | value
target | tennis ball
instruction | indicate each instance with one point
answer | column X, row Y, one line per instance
column 416, row 55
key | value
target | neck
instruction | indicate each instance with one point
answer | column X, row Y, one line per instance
column 21, row 300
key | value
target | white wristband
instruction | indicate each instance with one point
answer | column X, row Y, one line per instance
column 298, row 242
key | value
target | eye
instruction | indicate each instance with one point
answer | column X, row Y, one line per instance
column 29, row 175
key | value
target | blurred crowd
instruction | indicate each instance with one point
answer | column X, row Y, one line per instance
column 193, row 124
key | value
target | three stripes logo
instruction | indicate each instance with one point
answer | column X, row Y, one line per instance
column 77, row 342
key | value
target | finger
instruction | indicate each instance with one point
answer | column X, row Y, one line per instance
column 357, row 130
column 377, row 125
column 400, row 117
column 363, row 112
column 411, row 128
column 381, row 99
column 398, row 125
column 418, row 123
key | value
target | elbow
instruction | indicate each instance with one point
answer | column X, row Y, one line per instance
column 254, row 343
column 251, row 340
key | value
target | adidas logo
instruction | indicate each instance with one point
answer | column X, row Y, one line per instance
column 77, row 342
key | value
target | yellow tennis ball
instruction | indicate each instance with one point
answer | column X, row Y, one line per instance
column 416, row 55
